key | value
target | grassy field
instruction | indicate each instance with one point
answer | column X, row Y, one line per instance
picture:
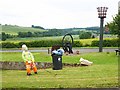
column 96, row 76
column 44, row 57
column 102, row 74
column 33, row 39
column 10, row 29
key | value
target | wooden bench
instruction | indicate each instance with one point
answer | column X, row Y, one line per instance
column 117, row 51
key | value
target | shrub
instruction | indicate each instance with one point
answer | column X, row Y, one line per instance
column 106, row 43
column 9, row 45
column 50, row 43
column 85, row 35
column 77, row 44
column 86, row 45
column 42, row 43
column 95, row 43
column 3, row 36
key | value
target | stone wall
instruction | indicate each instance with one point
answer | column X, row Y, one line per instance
column 21, row 65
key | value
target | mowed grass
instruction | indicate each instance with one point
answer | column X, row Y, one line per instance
column 95, row 76
column 102, row 74
column 45, row 57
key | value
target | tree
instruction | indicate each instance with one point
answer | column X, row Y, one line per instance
column 85, row 35
column 33, row 26
column 4, row 37
column 29, row 34
column 114, row 26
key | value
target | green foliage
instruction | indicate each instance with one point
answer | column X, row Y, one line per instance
column 25, row 34
column 95, row 43
column 106, row 43
column 50, row 43
column 50, row 32
column 77, row 44
column 41, row 43
column 3, row 36
column 9, row 45
column 85, row 35
column 39, row 27
column 114, row 26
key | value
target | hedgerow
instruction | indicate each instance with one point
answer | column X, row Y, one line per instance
column 106, row 43
column 50, row 43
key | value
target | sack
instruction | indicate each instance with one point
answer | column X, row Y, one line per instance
column 85, row 62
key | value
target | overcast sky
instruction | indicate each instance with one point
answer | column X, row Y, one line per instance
column 55, row 13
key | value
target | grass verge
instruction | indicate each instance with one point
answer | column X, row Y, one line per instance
column 96, row 76
column 102, row 74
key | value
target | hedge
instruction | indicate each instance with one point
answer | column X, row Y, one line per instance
column 41, row 43
column 106, row 43
column 77, row 44
column 50, row 43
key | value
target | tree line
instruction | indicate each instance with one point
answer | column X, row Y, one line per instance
column 50, row 32
column 4, row 36
column 82, row 34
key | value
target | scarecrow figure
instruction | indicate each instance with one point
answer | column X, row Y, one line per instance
column 29, row 60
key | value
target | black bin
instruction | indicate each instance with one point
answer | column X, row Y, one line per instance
column 57, row 62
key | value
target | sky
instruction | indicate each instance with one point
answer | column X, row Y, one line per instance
column 55, row 13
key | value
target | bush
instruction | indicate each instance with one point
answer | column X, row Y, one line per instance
column 85, row 35
column 86, row 45
column 3, row 36
column 50, row 43
column 106, row 43
column 9, row 45
column 77, row 44
column 42, row 43
column 95, row 43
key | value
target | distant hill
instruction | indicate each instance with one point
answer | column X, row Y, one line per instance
column 13, row 29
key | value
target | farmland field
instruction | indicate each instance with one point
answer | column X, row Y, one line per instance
column 10, row 29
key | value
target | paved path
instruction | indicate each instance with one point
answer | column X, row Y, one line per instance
column 87, row 50
column 81, row 50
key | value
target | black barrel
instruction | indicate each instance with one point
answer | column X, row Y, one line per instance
column 57, row 62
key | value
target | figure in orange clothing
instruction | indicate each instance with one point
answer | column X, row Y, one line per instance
column 29, row 60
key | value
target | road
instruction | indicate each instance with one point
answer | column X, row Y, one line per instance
column 81, row 50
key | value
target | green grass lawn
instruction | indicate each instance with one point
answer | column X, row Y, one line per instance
column 44, row 57
column 102, row 74
column 96, row 76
